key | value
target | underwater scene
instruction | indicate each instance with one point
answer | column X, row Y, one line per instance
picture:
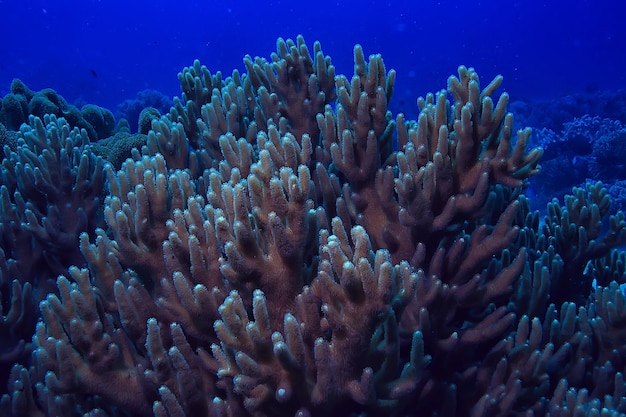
column 295, row 209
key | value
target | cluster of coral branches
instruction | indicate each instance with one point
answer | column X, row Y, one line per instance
column 282, row 246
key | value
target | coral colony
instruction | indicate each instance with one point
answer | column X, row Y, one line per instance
column 279, row 244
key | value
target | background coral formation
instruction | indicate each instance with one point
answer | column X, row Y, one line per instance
column 17, row 106
column 283, row 245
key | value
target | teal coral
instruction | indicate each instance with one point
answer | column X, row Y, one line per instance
column 281, row 245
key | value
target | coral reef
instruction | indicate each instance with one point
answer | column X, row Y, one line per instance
column 21, row 103
column 132, row 110
column 282, row 245
column 588, row 149
column 553, row 113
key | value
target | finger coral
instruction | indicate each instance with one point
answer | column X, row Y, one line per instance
column 283, row 245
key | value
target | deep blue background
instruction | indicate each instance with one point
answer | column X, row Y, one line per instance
column 543, row 48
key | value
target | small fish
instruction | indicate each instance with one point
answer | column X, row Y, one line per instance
column 93, row 72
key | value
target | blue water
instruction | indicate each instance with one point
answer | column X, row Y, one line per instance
column 103, row 52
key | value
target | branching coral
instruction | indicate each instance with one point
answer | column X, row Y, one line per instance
column 50, row 193
column 282, row 246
